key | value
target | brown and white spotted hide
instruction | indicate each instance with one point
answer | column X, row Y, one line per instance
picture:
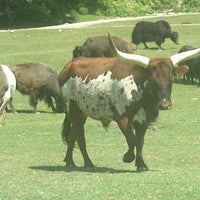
column 7, row 88
column 98, row 97
column 130, row 91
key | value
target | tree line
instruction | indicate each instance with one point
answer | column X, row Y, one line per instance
column 32, row 13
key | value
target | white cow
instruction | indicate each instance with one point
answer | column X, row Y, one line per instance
column 7, row 88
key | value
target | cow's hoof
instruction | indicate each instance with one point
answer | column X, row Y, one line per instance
column 90, row 169
column 128, row 157
column 70, row 167
column 142, row 169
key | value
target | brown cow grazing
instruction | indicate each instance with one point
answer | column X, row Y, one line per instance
column 99, row 46
column 39, row 81
column 130, row 93
column 7, row 89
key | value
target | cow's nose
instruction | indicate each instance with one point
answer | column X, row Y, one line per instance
column 165, row 104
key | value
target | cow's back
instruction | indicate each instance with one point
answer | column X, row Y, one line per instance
column 99, row 46
column 164, row 28
column 143, row 31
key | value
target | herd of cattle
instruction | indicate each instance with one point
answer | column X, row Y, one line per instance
column 107, row 82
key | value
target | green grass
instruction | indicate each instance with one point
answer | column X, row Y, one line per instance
column 31, row 149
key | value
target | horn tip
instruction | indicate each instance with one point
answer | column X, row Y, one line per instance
column 109, row 33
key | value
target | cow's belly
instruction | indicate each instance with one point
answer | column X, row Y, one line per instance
column 98, row 97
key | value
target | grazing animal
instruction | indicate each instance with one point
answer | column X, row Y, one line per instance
column 193, row 64
column 99, row 47
column 129, row 90
column 39, row 81
column 7, row 88
column 153, row 32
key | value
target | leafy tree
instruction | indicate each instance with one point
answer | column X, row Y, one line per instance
column 48, row 12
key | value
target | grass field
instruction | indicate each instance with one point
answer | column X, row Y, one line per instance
column 31, row 149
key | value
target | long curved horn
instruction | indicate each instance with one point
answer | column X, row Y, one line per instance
column 183, row 56
column 137, row 59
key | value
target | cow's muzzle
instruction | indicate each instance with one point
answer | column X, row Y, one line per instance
column 165, row 104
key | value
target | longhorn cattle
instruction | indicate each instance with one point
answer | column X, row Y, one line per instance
column 7, row 88
column 153, row 32
column 99, row 47
column 193, row 64
column 39, row 81
column 129, row 90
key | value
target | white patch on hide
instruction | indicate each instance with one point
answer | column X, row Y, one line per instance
column 140, row 116
column 11, row 83
column 96, row 97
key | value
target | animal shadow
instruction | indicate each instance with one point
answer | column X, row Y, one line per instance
column 82, row 169
column 27, row 111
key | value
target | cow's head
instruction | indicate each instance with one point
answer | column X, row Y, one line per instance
column 77, row 51
column 174, row 37
column 160, row 73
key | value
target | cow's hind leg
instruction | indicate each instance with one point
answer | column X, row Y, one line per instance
column 12, row 106
column 2, row 109
column 49, row 101
column 1, row 116
column 78, row 119
column 68, row 137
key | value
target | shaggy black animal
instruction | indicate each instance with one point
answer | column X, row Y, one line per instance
column 99, row 46
column 153, row 32
column 39, row 81
column 193, row 64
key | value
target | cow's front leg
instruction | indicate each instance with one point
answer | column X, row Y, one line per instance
column 126, row 129
column 140, row 134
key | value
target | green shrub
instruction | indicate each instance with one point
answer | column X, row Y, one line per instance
column 192, row 5
column 131, row 8
column 73, row 16
column 117, row 8
column 140, row 9
column 83, row 10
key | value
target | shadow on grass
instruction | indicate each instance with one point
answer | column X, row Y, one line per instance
column 81, row 169
column 185, row 82
column 149, row 48
column 27, row 111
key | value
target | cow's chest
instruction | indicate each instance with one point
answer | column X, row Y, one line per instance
column 99, row 96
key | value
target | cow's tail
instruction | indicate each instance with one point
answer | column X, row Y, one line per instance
column 48, row 100
column 66, row 128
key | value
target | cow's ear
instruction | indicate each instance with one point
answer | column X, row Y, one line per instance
column 181, row 70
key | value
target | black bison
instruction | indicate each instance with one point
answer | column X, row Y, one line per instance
column 193, row 64
column 99, row 47
column 39, row 81
column 7, row 88
column 130, row 91
column 153, row 32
